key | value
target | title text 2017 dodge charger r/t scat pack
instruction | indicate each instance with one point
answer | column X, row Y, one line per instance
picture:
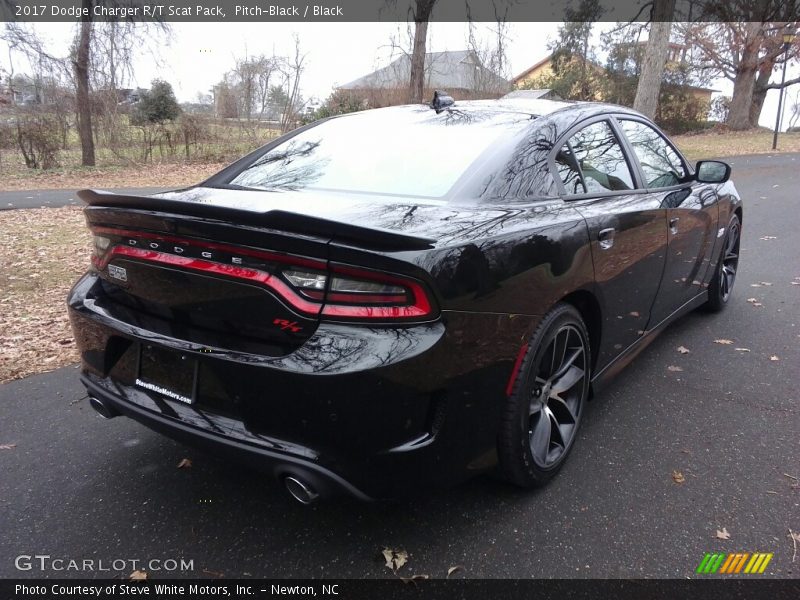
column 402, row 297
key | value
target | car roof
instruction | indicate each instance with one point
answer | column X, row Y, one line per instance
column 530, row 106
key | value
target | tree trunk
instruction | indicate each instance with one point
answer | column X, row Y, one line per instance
column 80, row 66
column 422, row 15
column 744, row 82
column 760, row 91
column 655, row 57
column 417, row 84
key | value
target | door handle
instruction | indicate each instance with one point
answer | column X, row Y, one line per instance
column 606, row 238
column 673, row 225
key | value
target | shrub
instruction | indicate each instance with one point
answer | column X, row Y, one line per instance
column 338, row 103
column 39, row 139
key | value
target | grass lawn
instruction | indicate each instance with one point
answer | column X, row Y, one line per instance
column 75, row 178
column 734, row 143
column 42, row 253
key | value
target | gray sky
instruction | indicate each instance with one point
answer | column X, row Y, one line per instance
column 335, row 53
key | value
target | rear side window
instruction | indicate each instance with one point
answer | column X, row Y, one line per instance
column 661, row 165
column 593, row 161
column 569, row 171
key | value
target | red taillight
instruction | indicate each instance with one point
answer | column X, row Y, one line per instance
column 308, row 285
column 400, row 298
column 361, row 294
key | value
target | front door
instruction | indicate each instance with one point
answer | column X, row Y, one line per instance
column 692, row 215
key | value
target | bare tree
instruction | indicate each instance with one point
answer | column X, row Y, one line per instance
column 264, row 68
column 491, row 72
column 746, row 53
column 421, row 15
column 80, row 65
column 101, row 57
column 795, row 108
column 292, row 72
column 268, row 85
column 655, row 57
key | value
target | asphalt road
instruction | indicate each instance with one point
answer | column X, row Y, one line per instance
column 56, row 198
column 79, row 487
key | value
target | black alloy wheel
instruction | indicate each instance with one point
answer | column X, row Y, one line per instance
column 721, row 287
column 545, row 409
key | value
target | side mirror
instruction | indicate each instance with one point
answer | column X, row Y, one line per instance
column 712, row 171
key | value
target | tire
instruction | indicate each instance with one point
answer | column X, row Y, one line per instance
column 541, row 421
column 721, row 286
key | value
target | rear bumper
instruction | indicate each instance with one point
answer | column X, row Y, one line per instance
column 367, row 411
column 279, row 464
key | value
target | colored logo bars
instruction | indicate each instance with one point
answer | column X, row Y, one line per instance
column 734, row 563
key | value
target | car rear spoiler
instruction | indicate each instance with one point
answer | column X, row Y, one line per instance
column 346, row 233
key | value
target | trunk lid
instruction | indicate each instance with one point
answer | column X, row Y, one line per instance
column 208, row 265
column 204, row 280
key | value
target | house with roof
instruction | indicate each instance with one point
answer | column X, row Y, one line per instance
column 459, row 72
column 543, row 69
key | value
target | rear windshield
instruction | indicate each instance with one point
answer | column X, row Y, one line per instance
column 396, row 151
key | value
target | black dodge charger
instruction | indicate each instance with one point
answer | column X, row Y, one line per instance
column 402, row 297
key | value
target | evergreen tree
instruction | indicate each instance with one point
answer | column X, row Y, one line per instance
column 156, row 105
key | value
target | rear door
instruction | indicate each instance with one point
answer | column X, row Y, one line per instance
column 627, row 229
column 692, row 215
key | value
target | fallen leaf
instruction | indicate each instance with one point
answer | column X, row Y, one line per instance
column 454, row 569
column 678, row 477
column 723, row 535
column 414, row 578
column 216, row 574
column 395, row 558
column 7, row 446
column 774, row 358
column 769, row 237
column 795, row 282
column 752, row 300
column 724, row 342
column 742, row 349
column 634, row 313
column 674, row 369
column 185, row 464
column 767, row 283
column 138, row 575
column 683, row 350
column 755, row 285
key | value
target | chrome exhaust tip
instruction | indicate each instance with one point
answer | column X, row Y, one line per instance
column 102, row 408
column 300, row 491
